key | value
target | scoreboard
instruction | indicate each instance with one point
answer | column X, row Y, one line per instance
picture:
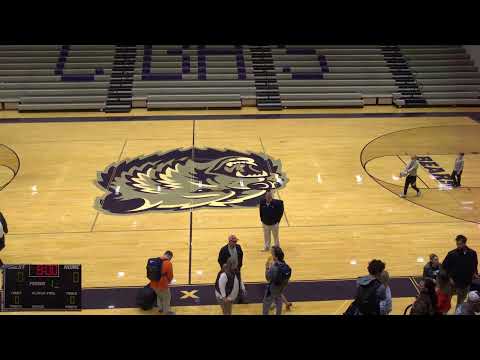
column 42, row 287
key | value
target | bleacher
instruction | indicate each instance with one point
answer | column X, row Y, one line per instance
column 117, row 78
column 55, row 77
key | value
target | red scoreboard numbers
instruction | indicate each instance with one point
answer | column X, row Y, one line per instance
column 46, row 270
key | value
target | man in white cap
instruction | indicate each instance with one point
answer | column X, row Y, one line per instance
column 471, row 306
column 234, row 250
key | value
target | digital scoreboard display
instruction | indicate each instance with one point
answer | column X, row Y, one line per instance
column 42, row 287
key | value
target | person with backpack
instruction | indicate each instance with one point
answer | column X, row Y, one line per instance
column 3, row 231
column 277, row 275
column 160, row 274
column 227, row 286
column 370, row 291
column 288, row 304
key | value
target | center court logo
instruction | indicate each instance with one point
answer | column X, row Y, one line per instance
column 186, row 179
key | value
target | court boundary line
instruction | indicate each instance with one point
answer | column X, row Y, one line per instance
column 190, row 243
column 15, row 173
column 460, row 221
column 472, row 115
column 246, row 283
column 364, row 165
column 109, row 183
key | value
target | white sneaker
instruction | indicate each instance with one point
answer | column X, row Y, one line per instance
column 403, row 196
column 419, row 193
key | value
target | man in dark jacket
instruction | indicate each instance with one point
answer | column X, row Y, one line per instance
column 271, row 212
column 232, row 249
column 3, row 231
column 461, row 265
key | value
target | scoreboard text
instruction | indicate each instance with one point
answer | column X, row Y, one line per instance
column 42, row 287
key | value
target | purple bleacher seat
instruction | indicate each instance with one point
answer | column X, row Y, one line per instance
column 99, row 71
column 300, row 51
column 220, row 52
column 58, row 72
column 202, row 76
column 65, row 47
column 286, row 69
column 160, row 77
column 242, row 76
column 307, row 76
column 79, row 77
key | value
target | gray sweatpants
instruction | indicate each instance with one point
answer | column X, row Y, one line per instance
column 163, row 300
column 267, row 231
column 269, row 300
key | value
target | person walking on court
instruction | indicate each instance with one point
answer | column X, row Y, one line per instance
column 277, row 275
column 227, row 286
column 461, row 265
column 3, row 231
column 411, row 176
column 163, row 265
column 271, row 212
column 457, row 170
column 233, row 250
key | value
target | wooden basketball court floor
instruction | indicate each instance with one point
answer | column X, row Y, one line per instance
column 337, row 218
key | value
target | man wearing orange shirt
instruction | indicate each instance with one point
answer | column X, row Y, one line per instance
column 161, row 287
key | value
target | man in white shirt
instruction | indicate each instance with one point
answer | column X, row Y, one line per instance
column 411, row 176
column 457, row 170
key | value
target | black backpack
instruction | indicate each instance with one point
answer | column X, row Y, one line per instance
column 146, row 298
column 366, row 301
column 154, row 269
column 282, row 275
